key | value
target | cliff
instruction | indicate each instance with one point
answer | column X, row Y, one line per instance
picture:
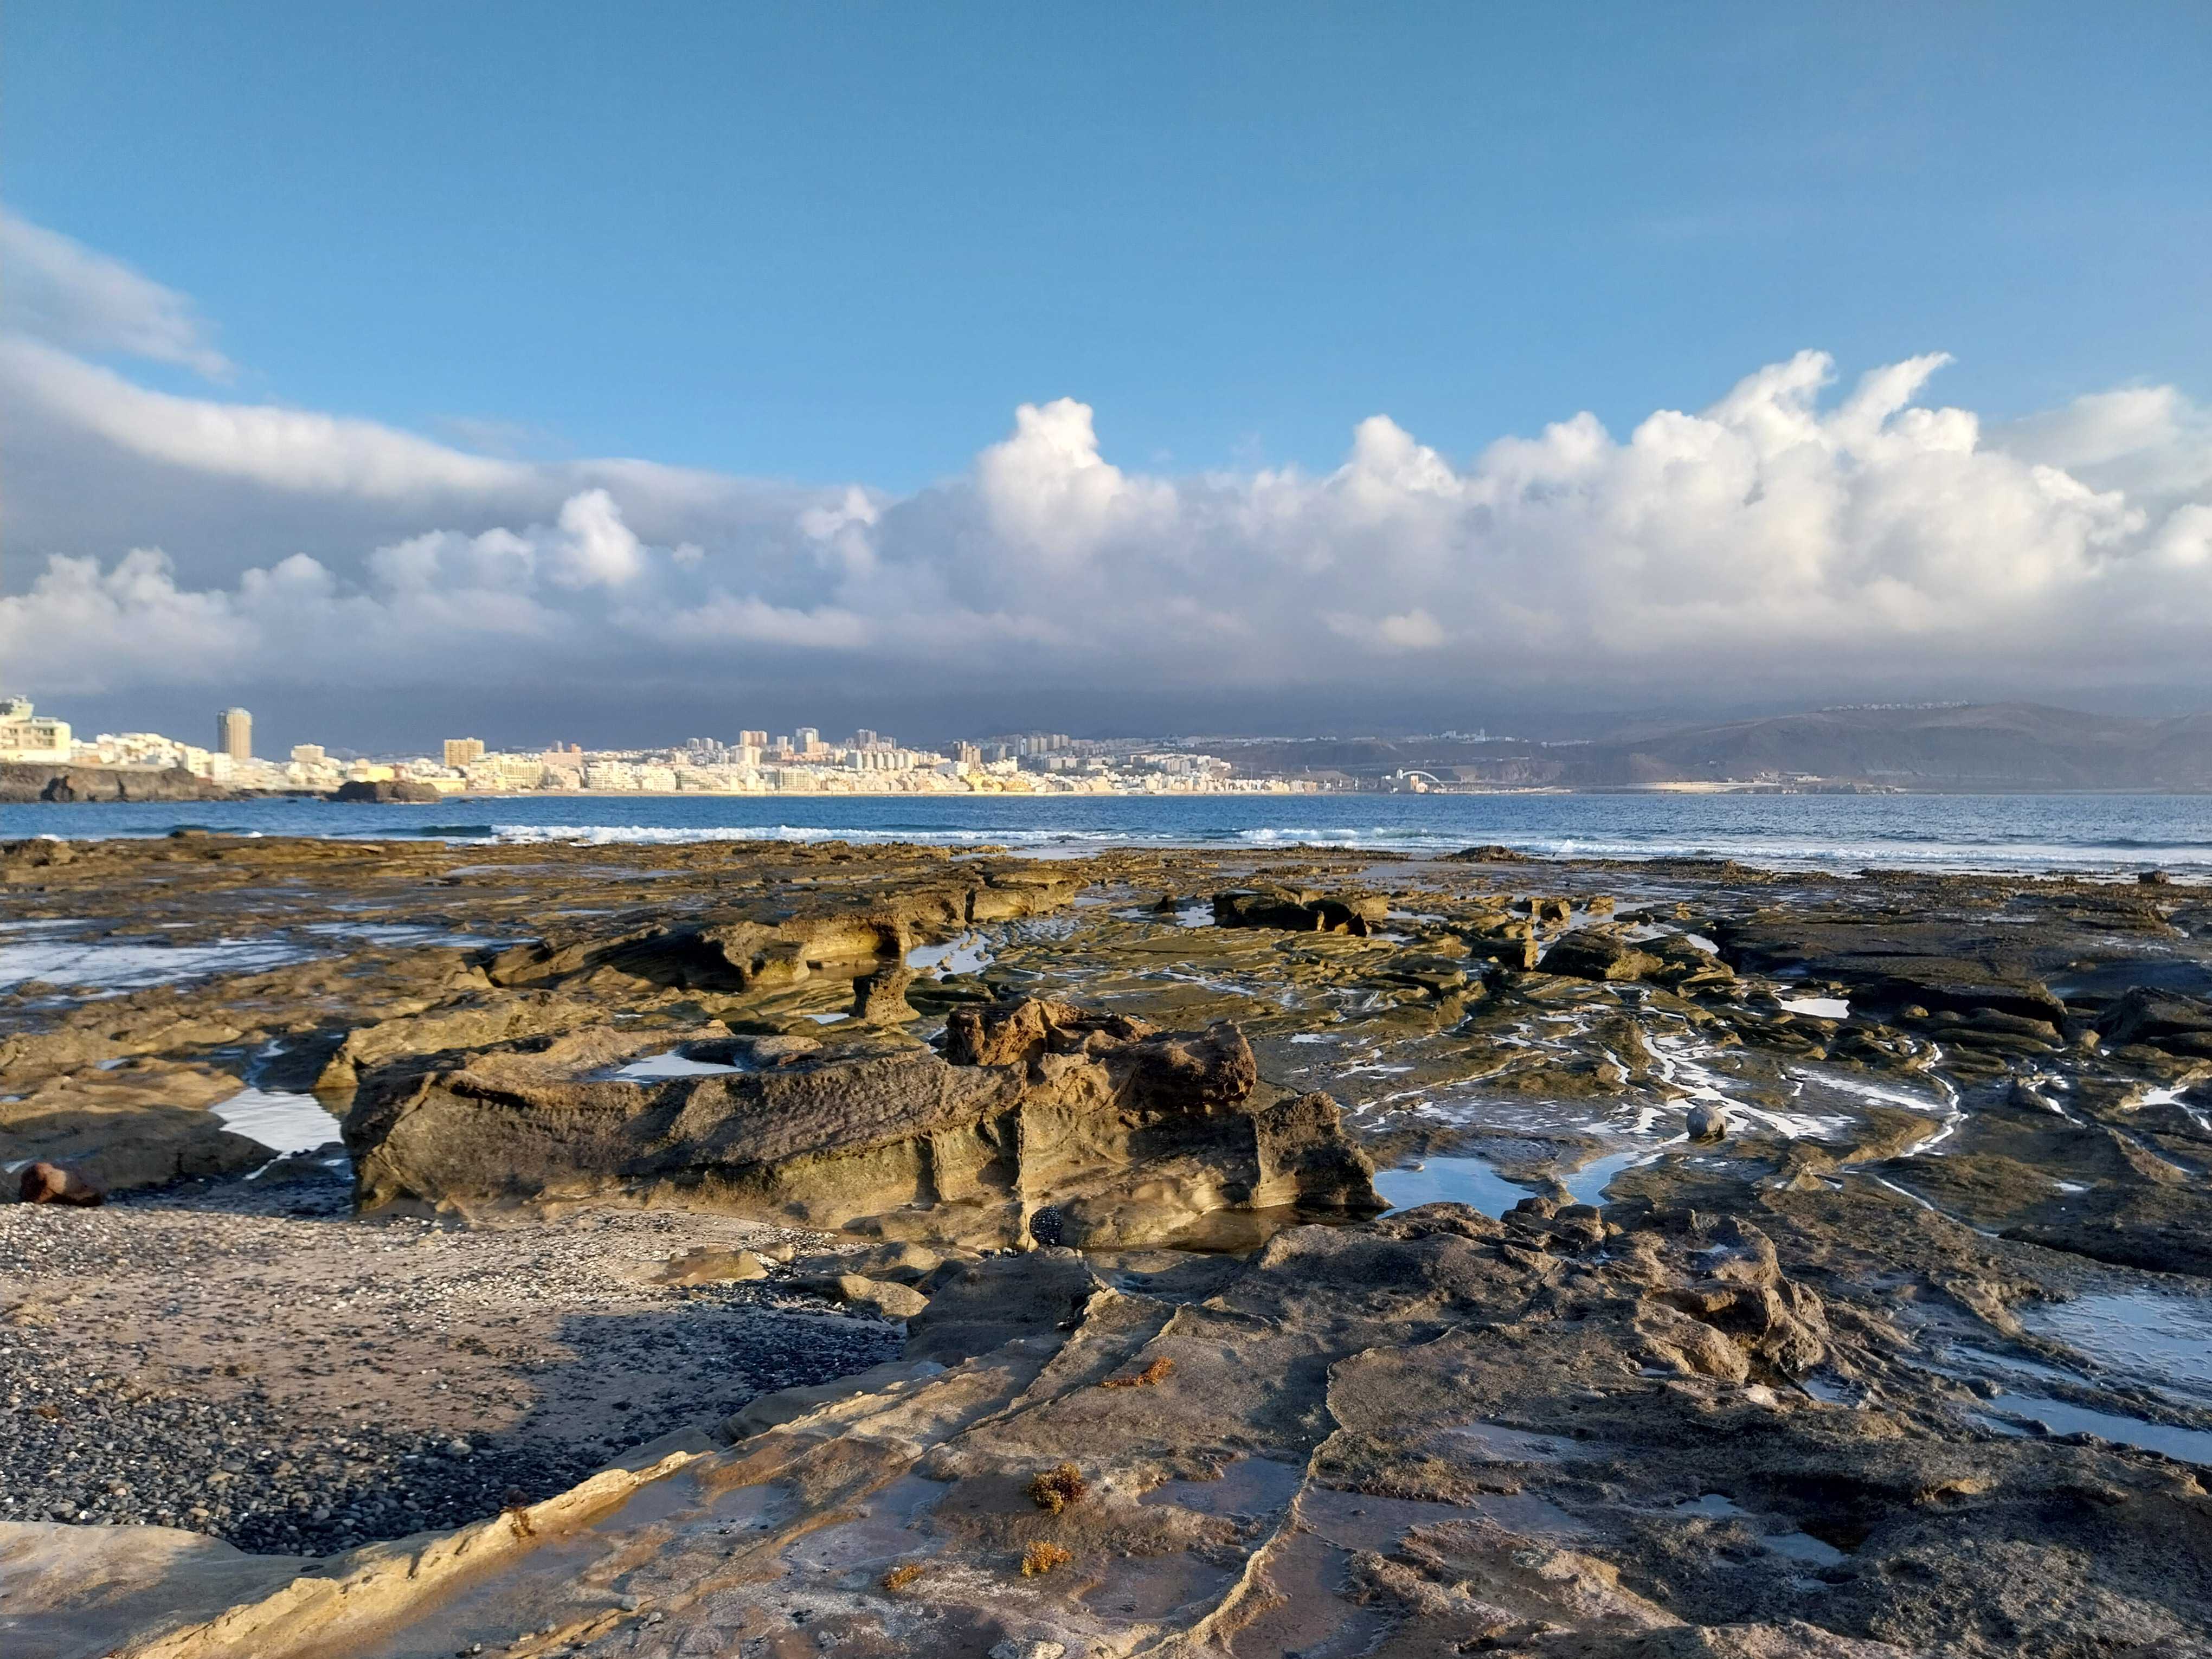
column 21, row 782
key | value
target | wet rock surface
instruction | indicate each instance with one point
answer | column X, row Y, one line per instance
column 1832, row 1262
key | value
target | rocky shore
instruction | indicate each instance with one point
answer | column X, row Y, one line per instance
column 1773, row 1264
column 22, row 782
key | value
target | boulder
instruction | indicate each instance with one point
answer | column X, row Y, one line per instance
column 1016, row 1033
column 1300, row 910
column 401, row 792
column 1511, row 944
column 49, row 1183
column 901, row 1262
column 1588, row 954
column 2159, row 1019
column 707, row 1266
column 1124, row 1134
column 880, row 1298
column 879, row 998
column 1891, row 960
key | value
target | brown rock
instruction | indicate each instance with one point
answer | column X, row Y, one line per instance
column 1300, row 911
column 49, row 1183
column 1122, row 1133
column 879, row 998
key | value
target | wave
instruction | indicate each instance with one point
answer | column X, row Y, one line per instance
column 614, row 834
column 1870, row 848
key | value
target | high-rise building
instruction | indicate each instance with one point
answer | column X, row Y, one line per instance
column 462, row 751
column 234, row 734
column 864, row 738
column 969, row 755
column 752, row 740
column 308, row 754
column 808, row 740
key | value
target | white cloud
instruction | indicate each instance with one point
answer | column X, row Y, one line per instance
column 59, row 290
column 1786, row 538
column 1409, row 630
column 753, row 620
column 278, row 449
column 594, row 548
column 2144, row 439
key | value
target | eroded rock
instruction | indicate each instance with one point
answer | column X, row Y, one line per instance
column 1125, row 1134
column 1300, row 910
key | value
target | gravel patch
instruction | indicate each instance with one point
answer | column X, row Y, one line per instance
column 246, row 1359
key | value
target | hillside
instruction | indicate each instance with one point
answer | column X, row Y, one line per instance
column 1978, row 747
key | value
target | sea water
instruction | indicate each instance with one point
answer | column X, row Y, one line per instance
column 2088, row 833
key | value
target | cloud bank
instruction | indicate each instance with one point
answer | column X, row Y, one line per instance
column 1796, row 538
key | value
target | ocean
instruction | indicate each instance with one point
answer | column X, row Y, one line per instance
column 2083, row 833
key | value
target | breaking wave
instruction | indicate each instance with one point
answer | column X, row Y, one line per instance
column 1841, row 834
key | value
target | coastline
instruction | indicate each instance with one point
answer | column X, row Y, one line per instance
column 2110, row 835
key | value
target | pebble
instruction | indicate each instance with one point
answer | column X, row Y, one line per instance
column 101, row 1430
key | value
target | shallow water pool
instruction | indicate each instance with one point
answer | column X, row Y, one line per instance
column 1462, row 1180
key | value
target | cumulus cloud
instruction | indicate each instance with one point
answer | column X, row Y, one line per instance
column 1792, row 536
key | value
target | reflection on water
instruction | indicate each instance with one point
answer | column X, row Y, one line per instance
column 1588, row 1184
column 653, row 1067
column 2163, row 1340
column 1795, row 1545
column 964, row 954
column 1463, row 1179
column 281, row 1121
column 123, row 966
column 1819, row 1007
column 2059, row 1417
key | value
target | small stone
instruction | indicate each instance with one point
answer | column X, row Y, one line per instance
column 1015, row 1647
column 1707, row 1122
column 458, row 1449
column 49, row 1183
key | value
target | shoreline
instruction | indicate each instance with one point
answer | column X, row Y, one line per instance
column 2185, row 867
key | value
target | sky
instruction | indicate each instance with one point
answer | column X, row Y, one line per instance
column 630, row 373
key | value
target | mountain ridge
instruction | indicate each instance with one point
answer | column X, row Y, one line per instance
column 2003, row 747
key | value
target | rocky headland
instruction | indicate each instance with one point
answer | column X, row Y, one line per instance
column 766, row 1249
column 22, row 782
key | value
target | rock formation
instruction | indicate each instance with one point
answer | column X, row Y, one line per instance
column 1040, row 1118
column 1300, row 910
column 1548, row 1436
column 403, row 792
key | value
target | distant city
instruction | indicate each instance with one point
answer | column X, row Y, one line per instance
column 750, row 763
column 1854, row 749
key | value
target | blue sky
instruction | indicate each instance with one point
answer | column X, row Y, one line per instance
column 816, row 241
column 632, row 372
